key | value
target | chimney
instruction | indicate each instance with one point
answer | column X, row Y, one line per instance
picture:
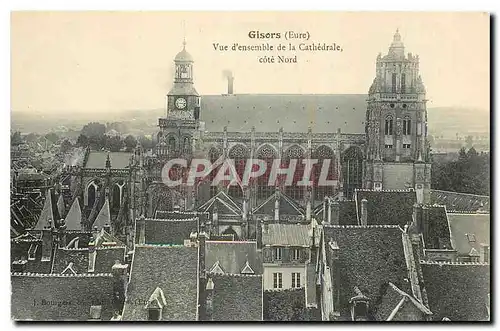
column 417, row 218
column 335, row 212
column 209, row 299
column 230, row 81
column 308, row 210
column 245, row 210
column 140, row 225
column 19, row 266
column 202, row 238
column 107, row 228
column 335, row 272
column 215, row 217
column 119, row 272
column 364, row 212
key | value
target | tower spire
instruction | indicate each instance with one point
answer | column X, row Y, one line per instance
column 184, row 34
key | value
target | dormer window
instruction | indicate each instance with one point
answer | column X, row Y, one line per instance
column 154, row 314
column 278, row 251
column 296, row 254
column 32, row 251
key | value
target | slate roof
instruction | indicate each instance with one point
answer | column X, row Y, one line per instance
column 287, row 206
column 104, row 216
column 288, row 235
column 311, row 284
column 233, row 255
column 399, row 213
column 347, row 212
column 225, row 205
column 47, row 212
column 73, row 220
column 268, row 112
column 457, row 291
column 97, row 160
column 106, row 258
column 285, row 305
column 369, row 257
column 160, row 231
column 455, row 201
column 393, row 302
column 436, row 229
column 70, row 297
column 462, row 225
column 237, row 297
column 174, row 269
column 174, row 215
column 79, row 257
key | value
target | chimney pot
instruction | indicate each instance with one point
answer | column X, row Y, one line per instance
column 19, row 266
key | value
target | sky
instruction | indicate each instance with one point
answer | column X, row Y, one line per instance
column 111, row 61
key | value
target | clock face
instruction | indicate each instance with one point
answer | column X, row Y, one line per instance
column 180, row 103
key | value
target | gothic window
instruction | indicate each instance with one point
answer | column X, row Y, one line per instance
column 171, row 144
column 407, row 126
column 116, row 197
column 267, row 154
column 320, row 154
column 213, row 155
column 91, row 194
column 294, row 153
column 393, row 83
column 239, row 155
column 352, row 170
column 388, row 127
column 187, row 145
column 403, row 83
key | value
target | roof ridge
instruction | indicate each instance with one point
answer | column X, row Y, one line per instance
column 226, row 274
column 83, row 249
column 453, row 263
column 373, row 226
column 467, row 212
column 398, row 190
column 171, row 219
column 161, row 245
column 100, row 248
column 36, row 274
column 462, row 193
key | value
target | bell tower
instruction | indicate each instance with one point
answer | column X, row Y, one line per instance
column 178, row 130
column 396, row 124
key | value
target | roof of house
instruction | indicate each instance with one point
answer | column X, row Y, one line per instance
column 393, row 301
column 73, row 220
column 436, row 230
column 107, row 256
column 47, row 213
column 347, row 213
column 285, row 305
column 288, row 235
column 469, row 231
column 369, row 257
column 97, row 160
column 104, row 216
column 455, row 201
column 69, row 297
column 78, row 257
column 458, row 291
column 268, row 112
column 232, row 256
column 224, row 203
column 161, row 231
column 174, row 269
column 400, row 202
column 237, row 297
column 287, row 206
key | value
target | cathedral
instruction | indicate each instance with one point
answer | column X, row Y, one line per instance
column 375, row 141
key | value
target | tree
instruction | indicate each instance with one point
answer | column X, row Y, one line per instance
column 52, row 137
column 31, row 137
column 65, row 146
column 469, row 141
column 15, row 138
column 130, row 142
column 114, row 144
column 82, row 141
column 94, row 129
column 146, row 142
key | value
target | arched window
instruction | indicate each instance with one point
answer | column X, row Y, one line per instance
column 321, row 154
column 403, row 83
column 239, row 155
column 388, row 128
column 171, row 144
column 407, row 126
column 187, row 145
column 352, row 170
column 116, row 197
column 91, row 194
column 394, row 87
column 295, row 153
column 267, row 154
column 213, row 155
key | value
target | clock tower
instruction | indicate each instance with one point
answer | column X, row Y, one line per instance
column 178, row 129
